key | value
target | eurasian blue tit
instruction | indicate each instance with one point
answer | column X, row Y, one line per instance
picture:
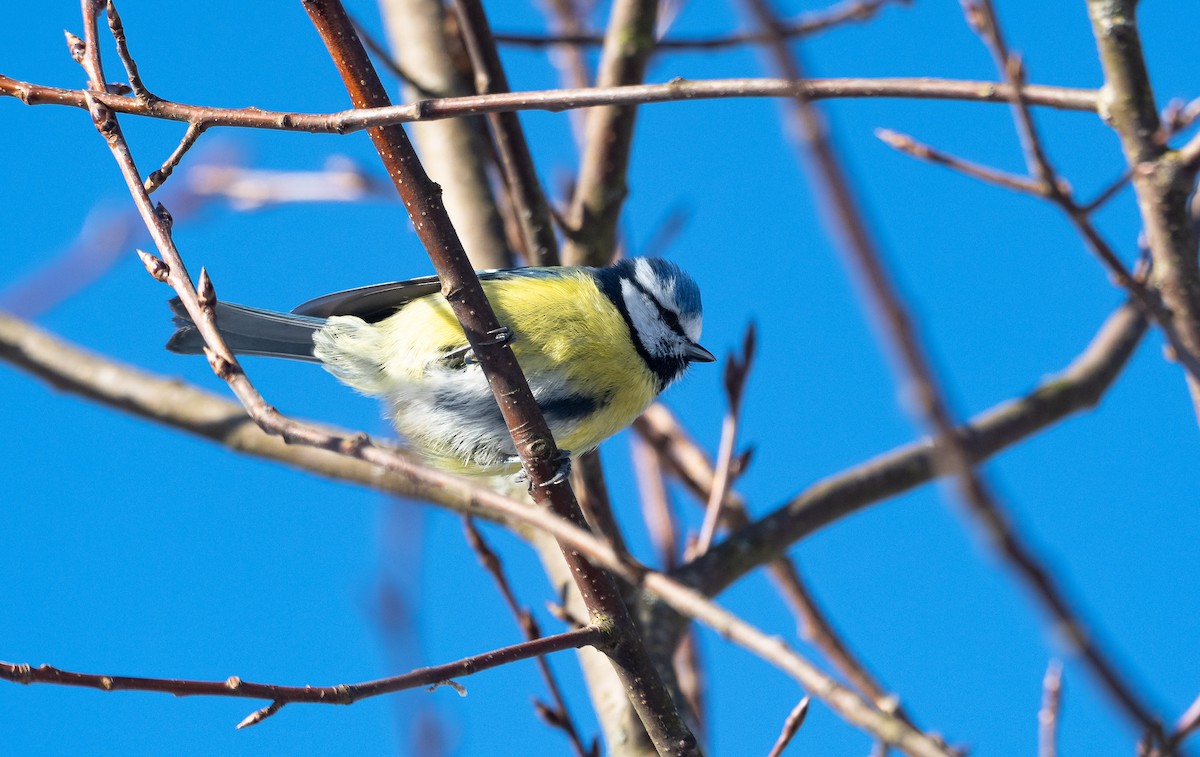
column 596, row 344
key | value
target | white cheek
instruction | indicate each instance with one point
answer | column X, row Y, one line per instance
column 656, row 336
column 691, row 326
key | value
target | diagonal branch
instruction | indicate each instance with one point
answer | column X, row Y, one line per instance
column 531, row 436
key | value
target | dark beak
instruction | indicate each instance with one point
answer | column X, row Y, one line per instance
column 697, row 354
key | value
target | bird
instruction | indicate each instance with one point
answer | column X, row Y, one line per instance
column 597, row 345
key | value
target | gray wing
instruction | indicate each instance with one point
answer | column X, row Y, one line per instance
column 378, row 301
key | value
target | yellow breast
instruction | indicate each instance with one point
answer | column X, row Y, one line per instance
column 564, row 330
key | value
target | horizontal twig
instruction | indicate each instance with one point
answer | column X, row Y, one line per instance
column 341, row 122
column 338, row 694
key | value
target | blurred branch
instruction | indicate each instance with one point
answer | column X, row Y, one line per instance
column 1187, row 724
column 808, row 24
column 520, row 176
column 555, row 100
column 574, row 69
column 600, row 188
column 341, row 180
column 952, row 453
column 1051, row 706
column 454, row 152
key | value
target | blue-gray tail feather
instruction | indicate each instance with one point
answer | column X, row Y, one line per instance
column 249, row 331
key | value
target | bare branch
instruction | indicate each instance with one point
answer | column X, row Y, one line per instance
column 917, row 376
column 921, row 151
column 790, row 727
column 339, row 694
column 457, row 153
column 737, row 370
column 555, row 100
column 808, row 24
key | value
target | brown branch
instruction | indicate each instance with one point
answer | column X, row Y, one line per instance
column 457, row 153
column 791, row 726
column 531, row 436
column 159, row 176
column 806, row 25
column 554, row 100
column 921, row 151
column 339, row 694
column 529, row 202
column 655, row 502
column 920, row 382
column 737, row 371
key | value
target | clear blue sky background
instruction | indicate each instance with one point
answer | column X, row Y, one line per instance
column 130, row 549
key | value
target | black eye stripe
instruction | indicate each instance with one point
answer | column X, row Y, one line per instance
column 666, row 313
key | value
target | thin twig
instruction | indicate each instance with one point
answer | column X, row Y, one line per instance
column 807, row 24
column 1048, row 714
column 259, row 716
column 157, row 177
column 554, row 100
column 737, row 370
column 131, row 69
column 790, row 727
column 921, row 151
column 558, row 716
column 338, row 694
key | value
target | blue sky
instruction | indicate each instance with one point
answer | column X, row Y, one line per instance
column 133, row 550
